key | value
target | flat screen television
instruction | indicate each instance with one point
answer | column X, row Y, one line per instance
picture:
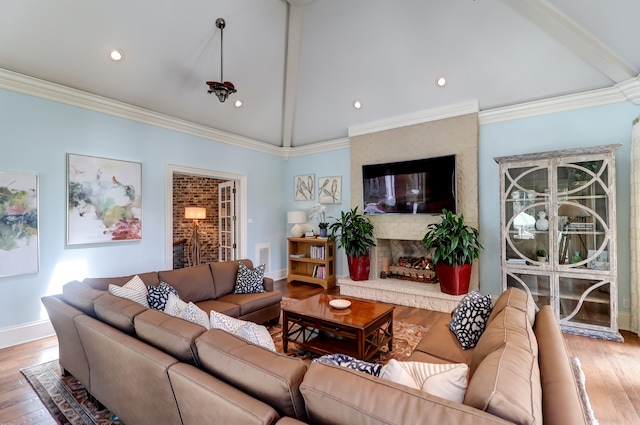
column 422, row 186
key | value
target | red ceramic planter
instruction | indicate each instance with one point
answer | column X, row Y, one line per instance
column 359, row 267
column 454, row 280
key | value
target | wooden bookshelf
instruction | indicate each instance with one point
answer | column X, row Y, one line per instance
column 312, row 260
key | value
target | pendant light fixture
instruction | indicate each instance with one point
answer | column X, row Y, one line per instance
column 224, row 89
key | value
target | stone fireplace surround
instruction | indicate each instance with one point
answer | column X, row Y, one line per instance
column 454, row 135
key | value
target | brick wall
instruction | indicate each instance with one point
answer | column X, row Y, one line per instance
column 195, row 191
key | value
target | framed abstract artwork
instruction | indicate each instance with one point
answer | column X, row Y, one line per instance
column 304, row 189
column 19, row 236
column 104, row 200
column 330, row 190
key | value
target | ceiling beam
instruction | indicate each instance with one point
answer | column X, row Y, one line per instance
column 294, row 46
column 575, row 38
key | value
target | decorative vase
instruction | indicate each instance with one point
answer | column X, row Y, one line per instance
column 454, row 280
column 359, row 267
column 542, row 259
column 323, row 233
column 542, row 223
column 576, row 257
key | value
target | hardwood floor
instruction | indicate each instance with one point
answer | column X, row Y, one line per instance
column 612, row 369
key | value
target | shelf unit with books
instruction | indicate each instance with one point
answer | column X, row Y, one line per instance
column 312, row 260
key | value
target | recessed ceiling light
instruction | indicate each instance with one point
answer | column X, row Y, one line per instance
column 357, row 104
column 441, row 81
column 238, row 103
column 115, row 54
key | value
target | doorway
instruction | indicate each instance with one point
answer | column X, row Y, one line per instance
column 240, row 201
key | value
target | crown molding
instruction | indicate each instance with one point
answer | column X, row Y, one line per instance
column 552, row 105
column 47, row 90
column 630, row 89
column 420, row 117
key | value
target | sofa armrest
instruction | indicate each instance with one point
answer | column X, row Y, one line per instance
column 267, row 282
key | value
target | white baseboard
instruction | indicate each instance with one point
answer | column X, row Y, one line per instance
column 277, row 274
column 20, row 334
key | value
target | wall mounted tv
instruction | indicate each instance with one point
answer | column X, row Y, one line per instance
column 422, row 186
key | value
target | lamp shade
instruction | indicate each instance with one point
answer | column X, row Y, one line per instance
column 197, row 213
column 296, row 217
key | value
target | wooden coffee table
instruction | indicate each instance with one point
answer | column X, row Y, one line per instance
column 359, row 331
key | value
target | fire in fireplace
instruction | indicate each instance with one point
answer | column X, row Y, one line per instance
column 419, row 269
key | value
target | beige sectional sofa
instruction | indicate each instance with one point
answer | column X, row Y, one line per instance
column 149, row 368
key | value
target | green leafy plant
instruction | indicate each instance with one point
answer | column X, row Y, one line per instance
column 354, row 233
column 541, row 253
column 453, row 242
column 323, row 225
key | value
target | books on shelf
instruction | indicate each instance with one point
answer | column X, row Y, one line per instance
column 318, row 272
column 317, row 252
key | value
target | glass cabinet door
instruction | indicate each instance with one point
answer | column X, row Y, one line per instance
column 583, row 215
column 526, row 212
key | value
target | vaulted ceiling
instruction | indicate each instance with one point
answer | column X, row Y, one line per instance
column 299, row 65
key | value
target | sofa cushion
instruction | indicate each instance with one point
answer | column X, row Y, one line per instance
column 81, row 296
column 336, row 395
column 507, row 384
column 224, row 275
column 204, row 399
column 169, row 334
column 102, row 283
column 268, row 376
column 441, row 344
column 134, row 290
column 220, row 306
column 515, row 298
column 509, row 326
column 470, row 318
column 195, row 315
column 118, row 312
column 226, row 323
column 446, row 380
column 249, row 281
column 175, row 306
column 192, row 283
column 248, row 303
column 157, row 296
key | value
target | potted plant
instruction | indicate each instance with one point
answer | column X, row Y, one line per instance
column 455, row 245
column 354, row 233
column 319, row 211
column 542, row 255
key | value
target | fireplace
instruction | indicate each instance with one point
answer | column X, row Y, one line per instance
column 400, row 284
column 404, row 259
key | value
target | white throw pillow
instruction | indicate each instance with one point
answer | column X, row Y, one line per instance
column 226, row 323
column 195, row 314
column 446, row 380
column 175, row 306
column 249, row 331
column 257, row 334
column 134, row 290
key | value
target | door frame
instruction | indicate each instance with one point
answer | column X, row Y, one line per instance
column 241, row 205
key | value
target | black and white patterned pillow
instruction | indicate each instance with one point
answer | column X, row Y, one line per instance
column 470, row 318
column 249, row 281
column 351, row 363
column 158, row 295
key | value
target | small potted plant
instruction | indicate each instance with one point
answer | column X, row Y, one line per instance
column 542, row 255
column 319, row 211
column 354, row 233
column 455, row 245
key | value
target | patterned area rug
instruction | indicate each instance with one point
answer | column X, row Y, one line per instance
column 65, row 398
column 67, row 401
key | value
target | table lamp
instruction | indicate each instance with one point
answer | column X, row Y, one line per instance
column 297, row 218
